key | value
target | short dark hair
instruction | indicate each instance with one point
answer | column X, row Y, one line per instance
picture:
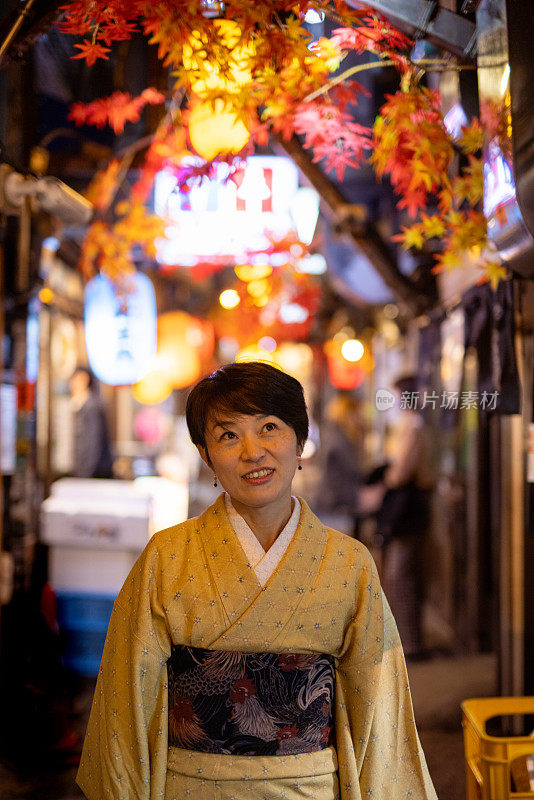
column 407, row 382
column 252, row 387
column 90, row 376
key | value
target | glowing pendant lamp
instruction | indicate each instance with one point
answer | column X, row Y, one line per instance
column 216, row 129
column 230, row 76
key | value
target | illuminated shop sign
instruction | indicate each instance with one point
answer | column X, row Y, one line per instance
column 221, row 221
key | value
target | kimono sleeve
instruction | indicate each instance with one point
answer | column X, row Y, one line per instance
column 125, row 749
column 379, row 751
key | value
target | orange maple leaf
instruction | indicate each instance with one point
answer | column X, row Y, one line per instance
column 102, row 187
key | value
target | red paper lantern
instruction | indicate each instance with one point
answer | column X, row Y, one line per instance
column 344, row 375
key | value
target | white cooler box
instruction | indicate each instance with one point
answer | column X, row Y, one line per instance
column 96, row 529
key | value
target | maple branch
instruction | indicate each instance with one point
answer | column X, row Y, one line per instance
column 348, row 219
column 344, row 75
column 135, row 147
column 440, row 66
column 128, row 154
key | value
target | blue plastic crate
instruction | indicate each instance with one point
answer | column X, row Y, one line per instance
column 87, row 666
column 84, row 611
column 83, row 650
column 83, row 620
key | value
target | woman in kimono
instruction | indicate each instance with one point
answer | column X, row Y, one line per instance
column 251, row 652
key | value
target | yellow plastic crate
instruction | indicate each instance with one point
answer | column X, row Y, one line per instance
column 488, row 758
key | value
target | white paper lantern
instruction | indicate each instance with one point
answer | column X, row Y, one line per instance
column 120, row 332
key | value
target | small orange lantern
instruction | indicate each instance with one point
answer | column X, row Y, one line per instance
column 156, row 385
column 186, row 343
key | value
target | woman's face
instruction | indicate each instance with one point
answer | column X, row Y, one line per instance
column 254, row 457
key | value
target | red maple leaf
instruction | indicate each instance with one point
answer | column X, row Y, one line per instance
column 284, row 124
column 78, row 113
column 116, row 32
column 380, row 29
column 346, row 93
column 91, row 52
column 413, row 200
column 98, row 113
column 121, row 109
column 76, row 26
column 376, row 35
column 338, row 156
column 115, row 110
column 152, row 96
column 261, row 135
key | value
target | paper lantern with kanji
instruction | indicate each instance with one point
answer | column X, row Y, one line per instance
column 120, row 330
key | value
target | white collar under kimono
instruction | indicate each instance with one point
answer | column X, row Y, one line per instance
column 263, row 563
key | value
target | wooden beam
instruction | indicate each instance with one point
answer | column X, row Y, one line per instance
column 426, row 19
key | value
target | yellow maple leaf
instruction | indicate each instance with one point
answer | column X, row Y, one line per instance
column 328, row 52
column 100, row 190
column 421, row 175
column 433, row 226
column 412, row 237
column 449, row 260
column 471, row 138
column 494, row 272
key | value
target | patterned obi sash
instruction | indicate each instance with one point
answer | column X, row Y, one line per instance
column 250, row 703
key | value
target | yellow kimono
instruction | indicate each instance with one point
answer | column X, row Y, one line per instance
column 192, row 585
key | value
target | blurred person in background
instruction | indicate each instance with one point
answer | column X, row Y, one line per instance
column 341, row 463
column 398, row 495
column 92, row 451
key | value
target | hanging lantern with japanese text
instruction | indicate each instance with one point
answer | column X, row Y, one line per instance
column 120, row 328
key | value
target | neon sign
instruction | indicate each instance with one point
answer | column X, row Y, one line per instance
column 223, row 220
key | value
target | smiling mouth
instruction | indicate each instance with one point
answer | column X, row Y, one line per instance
column 258, row 474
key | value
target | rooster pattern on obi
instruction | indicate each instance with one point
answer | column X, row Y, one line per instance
column 250, row 703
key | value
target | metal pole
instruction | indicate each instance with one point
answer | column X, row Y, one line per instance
column 1, row 374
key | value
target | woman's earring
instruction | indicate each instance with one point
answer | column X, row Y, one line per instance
column 299, row 466
column 215, row 481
